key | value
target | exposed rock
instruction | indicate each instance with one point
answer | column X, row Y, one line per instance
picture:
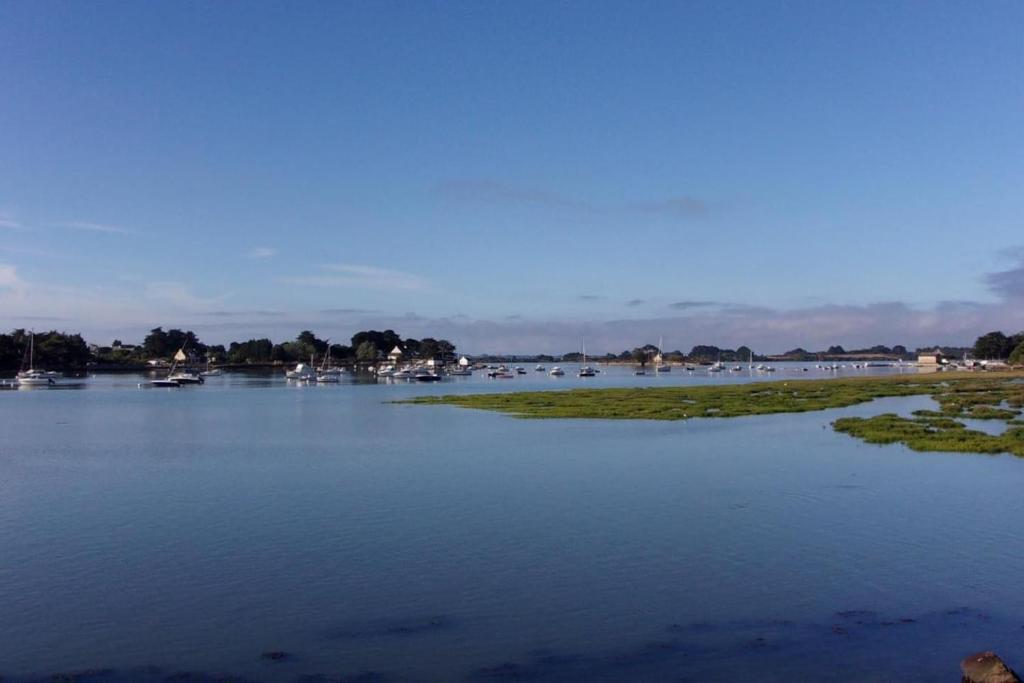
column 986, row 667
column 275, row 655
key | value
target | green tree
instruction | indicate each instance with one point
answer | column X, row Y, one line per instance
column 705, row 352
column 282, row 353
column 640, row 356
column 385, row 341
column 53, row 350
column 366, row 352
column 341, row 352
column 161, row 344
column 1017, row 355
column 447, row 350
column 252, row 351
column 155, row 344
column 307, row 344
column 992, row 346
column 429, row 348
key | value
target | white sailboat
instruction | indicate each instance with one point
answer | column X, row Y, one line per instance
column 29, row 376
column 328, row 374
column 183, row 376
column 661, row 365
column 718, row 365
column 211, row 371
column 585, row 370
column 176, row 378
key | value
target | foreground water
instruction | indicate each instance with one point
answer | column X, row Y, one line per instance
column 149, row 532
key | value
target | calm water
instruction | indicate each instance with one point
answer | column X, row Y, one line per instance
column 158, row 531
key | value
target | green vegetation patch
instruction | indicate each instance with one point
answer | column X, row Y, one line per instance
column 930, row 434
column 981, row 396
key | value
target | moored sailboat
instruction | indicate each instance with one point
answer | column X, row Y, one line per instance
column 585, row 370
column 29, row 376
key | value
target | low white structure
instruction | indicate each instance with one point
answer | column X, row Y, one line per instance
column 930, row 358
column 395, row 356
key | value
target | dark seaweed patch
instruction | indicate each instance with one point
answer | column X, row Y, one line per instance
column 391, row 628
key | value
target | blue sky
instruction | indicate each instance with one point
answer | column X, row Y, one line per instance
column 515, row 175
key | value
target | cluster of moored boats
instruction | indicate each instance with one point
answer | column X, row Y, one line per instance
column 504, row 372
column 327, row 372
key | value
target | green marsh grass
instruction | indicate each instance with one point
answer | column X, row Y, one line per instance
column 993, row 396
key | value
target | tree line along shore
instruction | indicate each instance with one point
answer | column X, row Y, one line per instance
column 71, row 352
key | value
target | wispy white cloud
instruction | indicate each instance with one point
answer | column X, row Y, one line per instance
column 94, row 227
column 180, row 296
column 243, row 314
column 683, row 206
column 261, row 253
column 9, row 277
column 492, row 192
column 360, row 277
column 486, row 191
column 1009, row 283
column 11, row 224
column 687, row 305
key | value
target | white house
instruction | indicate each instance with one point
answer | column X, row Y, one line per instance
column 395, row 355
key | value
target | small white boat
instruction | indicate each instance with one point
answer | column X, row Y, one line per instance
column 539, row 368
column 557, row 371
column 426, row 376
column 301, row 373
column 185, row 378
column 34, row 378
column 404, row 373
column 663, row 368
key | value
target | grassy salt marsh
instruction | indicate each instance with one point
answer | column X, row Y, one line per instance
column 995, row 396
